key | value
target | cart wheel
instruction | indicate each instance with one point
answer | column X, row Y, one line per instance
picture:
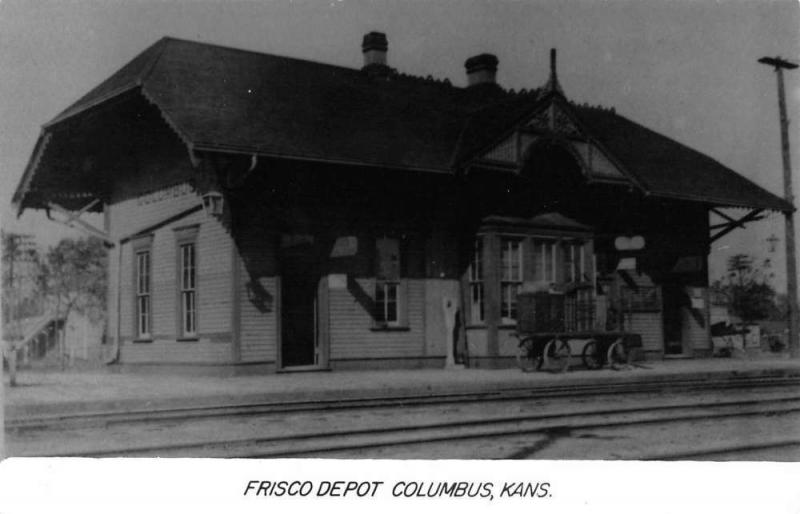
column 525, row 356
column 617, row 355
column 591, row 356
column 556, row 354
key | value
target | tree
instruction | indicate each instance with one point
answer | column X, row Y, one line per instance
column 76, row 279
column 747, row 286
column 22, row 292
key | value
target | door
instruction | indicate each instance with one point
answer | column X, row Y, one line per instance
column 300, row 282
column 673, row 301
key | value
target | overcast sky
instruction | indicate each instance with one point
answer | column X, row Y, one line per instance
column 685, row 69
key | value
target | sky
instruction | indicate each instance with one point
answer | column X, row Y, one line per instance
column 687, row 69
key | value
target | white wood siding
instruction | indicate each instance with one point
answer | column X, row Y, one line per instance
column 650, row 326
column 214, row 283
column 695, row 335
column 258, row 330
column 351, row 336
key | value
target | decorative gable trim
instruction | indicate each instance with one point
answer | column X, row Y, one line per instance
column 554, row 121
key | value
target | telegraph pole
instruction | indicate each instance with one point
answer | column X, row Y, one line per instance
column 791, row 265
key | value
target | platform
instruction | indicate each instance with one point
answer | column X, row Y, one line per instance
column 51, row 393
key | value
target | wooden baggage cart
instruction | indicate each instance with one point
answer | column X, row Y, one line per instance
column 548, row 327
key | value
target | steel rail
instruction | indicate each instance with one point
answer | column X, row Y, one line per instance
column 528, row 392
column 482, row 427
column 725, row 450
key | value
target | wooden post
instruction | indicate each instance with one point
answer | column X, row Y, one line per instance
column 791, row 264
column 2, row 409
column 491, row 291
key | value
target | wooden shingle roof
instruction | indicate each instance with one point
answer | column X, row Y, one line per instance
column 224, row 99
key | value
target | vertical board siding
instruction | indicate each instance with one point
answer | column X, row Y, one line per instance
column 351, row 334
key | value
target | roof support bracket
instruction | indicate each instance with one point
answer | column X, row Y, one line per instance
column 732, row 224
column 72, row 219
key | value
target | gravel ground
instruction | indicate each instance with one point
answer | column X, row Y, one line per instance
column 104, row 388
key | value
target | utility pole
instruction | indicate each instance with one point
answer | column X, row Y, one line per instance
column 791, row 265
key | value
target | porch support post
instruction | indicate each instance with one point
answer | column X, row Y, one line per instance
column 491, row 269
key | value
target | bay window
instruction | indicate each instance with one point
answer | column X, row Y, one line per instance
column 510, row 278
column 475, row 274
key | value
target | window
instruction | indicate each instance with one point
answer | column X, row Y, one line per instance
column 387, row 284
column 188, row 293
column 574, row 264
column 186, row 281
column 476, row 307
column 143, row 305
column 545, row 261
column 510, row 278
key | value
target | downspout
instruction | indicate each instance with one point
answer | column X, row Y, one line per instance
column 115, row 358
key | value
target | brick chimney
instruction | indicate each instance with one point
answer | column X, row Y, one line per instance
column 481, row 69
column 374, row 46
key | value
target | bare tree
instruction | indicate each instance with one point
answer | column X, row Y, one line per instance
column 76, row 280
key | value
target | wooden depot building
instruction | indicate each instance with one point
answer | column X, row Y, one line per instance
column 271, row 211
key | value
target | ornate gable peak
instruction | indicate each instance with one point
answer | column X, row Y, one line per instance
column 553, row 119
column 552, row 83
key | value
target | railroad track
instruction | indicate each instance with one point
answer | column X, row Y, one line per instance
column 718, row 452
column 328, row 443
column 108, row 418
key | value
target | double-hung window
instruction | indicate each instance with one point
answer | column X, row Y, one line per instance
column 143, row 299
column 188, row 289
column 476, row 298
column 186, row 281
column 575, row 265
column 510, row 278
column 387, row 284
column 545, row 256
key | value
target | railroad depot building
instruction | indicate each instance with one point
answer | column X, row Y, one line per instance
column 264, row 210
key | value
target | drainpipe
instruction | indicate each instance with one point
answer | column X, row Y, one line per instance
column 115, row 358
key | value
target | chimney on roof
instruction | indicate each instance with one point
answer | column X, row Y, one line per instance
column 481, row 69
column 374, row 46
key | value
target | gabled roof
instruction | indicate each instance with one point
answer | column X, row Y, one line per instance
column 668, row 168
column 224, row 99
column 220, row 98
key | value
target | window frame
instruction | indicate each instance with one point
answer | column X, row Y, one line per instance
column 510, row 286
column 142, row 247
column 187, row 289
column 546, row 261
column 186, row 237
column 574, row 262
column 476, row 286
column 384, row 285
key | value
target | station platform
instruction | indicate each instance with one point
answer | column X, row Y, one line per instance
column 45, row 393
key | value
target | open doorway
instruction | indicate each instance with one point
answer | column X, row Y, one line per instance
column 674, row 299
column 301, row 274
